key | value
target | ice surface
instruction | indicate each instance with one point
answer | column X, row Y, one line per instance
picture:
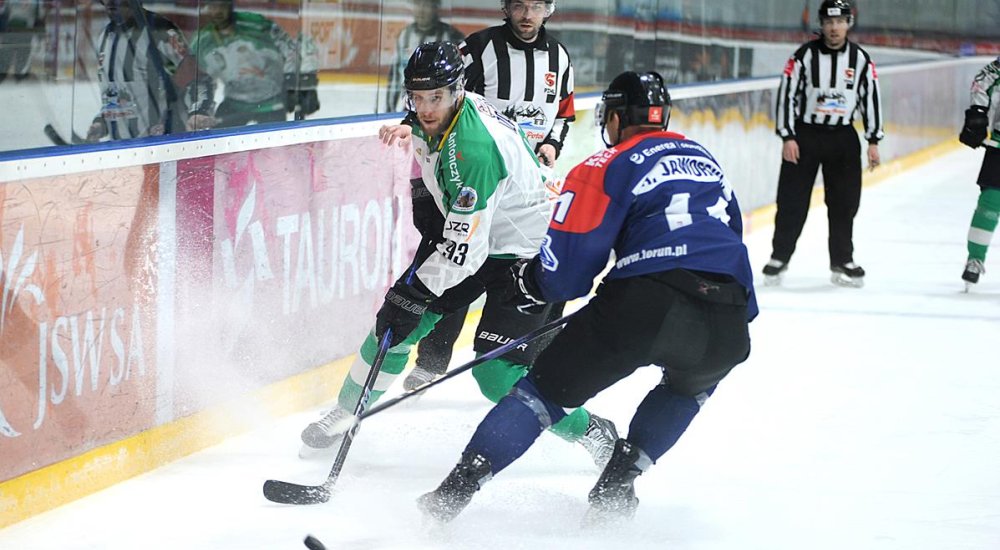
column 864, row 419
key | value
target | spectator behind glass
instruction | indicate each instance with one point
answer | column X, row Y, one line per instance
column 149, row 84
column 426, row 27
column 259, row 64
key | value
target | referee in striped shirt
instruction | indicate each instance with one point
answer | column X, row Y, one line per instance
column 824, row 83
column 525, row 73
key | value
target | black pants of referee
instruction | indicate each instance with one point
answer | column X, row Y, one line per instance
column 837, row 150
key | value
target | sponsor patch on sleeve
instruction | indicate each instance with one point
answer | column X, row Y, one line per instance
column 466, row 200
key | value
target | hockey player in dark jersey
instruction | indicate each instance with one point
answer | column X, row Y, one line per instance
column 680, row 296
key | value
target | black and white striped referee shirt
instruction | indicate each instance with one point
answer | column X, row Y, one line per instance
column 530, row 83
column 826, row 87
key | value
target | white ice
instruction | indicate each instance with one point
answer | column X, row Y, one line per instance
column 864, row 419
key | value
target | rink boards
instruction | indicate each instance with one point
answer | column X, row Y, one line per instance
column 158, row 297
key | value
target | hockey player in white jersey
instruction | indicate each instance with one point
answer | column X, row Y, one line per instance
column 487, row 184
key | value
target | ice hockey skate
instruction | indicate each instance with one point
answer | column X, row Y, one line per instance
column 418, row 377
column 599, row 440
column 973, row 269
column 319, row 437
column 774, row 270
column 613, row 497
column 849, row 275
column 455, row 492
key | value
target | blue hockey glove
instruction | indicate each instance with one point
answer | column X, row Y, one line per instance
column 401, row 311
column 526, row 297
column 976, row 122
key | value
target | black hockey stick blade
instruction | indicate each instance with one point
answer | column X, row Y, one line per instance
column 57, row 139
column 284, row 492
column 54, row 136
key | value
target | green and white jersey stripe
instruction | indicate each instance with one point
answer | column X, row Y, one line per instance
column 984, row 87
column 488, row 184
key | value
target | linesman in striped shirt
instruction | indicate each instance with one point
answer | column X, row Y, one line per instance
column 825, row 82
column 525, row 73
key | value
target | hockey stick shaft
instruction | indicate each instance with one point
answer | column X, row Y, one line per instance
column 359, row 408
column 284, row 492
column 489, row 356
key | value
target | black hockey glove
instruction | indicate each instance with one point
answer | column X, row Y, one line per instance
column 525, row 296
column 304, row 102
column 976, row 121
column 428, row 220
column 401, row 311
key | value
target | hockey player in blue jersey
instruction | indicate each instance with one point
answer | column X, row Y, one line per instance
column 679, row 296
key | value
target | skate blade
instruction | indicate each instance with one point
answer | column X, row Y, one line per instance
column 968, row 286
column 840, row 279
column 311, row 453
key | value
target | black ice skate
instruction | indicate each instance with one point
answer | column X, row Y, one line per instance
column 973, row 269
column 773, row 271
column 323, row 434
column 613, row 497
column 455, row 492
column 849, row 274
column 599, row 440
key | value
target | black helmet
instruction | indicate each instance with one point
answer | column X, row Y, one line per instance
column 433, row 65
column 836, row 8
column 639, row 99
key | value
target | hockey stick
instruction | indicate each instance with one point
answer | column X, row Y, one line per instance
column 291, row 493
column 538, row 332
column 57, row 139
column 284, row 492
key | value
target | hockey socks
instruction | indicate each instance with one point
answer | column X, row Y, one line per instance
column 393, row 364
column 984, row 222
column 513, row 425
column 497, row 377
column 662, row 418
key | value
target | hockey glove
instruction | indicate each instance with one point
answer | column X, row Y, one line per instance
column 976, row 122
column 401, row 311
column 303, row 102
column 428, row 220
column 526, row 297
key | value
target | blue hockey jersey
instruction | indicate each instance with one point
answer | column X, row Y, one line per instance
column 659, row 201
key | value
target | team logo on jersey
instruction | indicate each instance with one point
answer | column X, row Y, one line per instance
column 527, row 114
column 637, row 158
column 849, row 78
column 831, row 103
column 466, row 201
column 550, row 83
column 548, row 258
